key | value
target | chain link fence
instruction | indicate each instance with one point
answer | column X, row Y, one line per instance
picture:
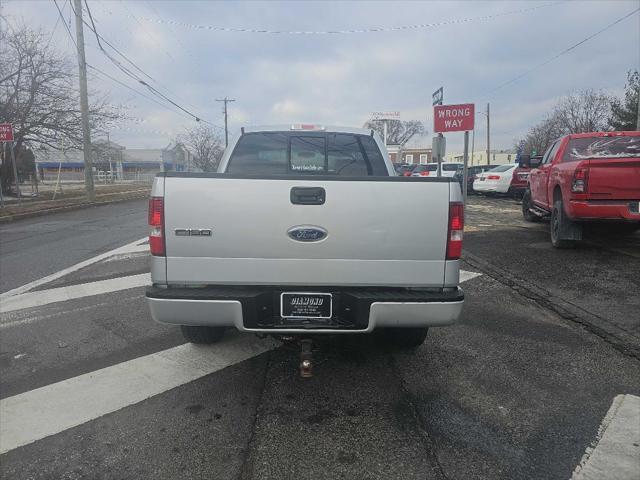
column 100, row 177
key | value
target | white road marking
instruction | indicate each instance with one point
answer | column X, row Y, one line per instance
column 617, row 450
column 71, row 292
column 37, row 414
column 465, row 275
column 127, row 256
column 136, row 246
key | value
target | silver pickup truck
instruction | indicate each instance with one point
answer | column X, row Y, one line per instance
column 305, row 230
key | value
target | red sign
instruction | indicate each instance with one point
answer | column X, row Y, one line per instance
column 453, row 118
column 6, row 132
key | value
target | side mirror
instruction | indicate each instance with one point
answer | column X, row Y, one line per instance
column 534, row 162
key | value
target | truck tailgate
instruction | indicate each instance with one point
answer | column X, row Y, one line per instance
column 614, row 179
column 379, row 232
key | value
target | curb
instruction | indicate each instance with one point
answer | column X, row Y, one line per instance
column 75, row 206
column 619, row 338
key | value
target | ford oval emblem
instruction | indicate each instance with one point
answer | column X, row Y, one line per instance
column 307, row 233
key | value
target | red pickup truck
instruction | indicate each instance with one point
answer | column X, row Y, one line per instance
column 585, row 177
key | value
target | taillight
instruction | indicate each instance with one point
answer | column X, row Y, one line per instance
column 455, row 230
column 493, row 177
column 407, row 174
column 580, row 178
column 156, row 224
column 424, row 174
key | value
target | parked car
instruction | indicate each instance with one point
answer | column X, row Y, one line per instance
column 520, row 180
column 472, row 174
column 404, row 169
column 496, row 180
column 449, row 169
column 425, row 170
column 586, row 177
column 307, row 248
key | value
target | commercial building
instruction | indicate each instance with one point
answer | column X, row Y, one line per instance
column 113, row 160
column 497, row 157
column 416, row 150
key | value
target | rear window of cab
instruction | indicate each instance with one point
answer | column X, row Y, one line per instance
column 284, row 153
column 602, row 148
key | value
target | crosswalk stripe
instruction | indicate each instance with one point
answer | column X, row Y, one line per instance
column 136, row 246
column 617, row 451
column 465, row 276
column 71, row 292
column 48, row 410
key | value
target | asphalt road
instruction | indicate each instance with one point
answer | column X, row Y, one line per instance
column 518, row 389
column 33, row 248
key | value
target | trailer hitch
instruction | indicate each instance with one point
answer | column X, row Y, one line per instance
column 305, row 346
column 306, row 358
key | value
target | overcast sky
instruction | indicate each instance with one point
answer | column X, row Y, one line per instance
column 340, row 78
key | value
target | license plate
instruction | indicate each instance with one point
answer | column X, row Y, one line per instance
column 305, row 305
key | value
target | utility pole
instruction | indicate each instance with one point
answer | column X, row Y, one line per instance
column 488, row 138
column 84, row 104
column 226, row 129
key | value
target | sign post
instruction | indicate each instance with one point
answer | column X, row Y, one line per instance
column 456, row 118
column 439, row 142
column 438, row 150
column 6, row 136
column 466, row 166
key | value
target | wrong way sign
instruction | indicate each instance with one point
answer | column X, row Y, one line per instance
column 453, row 118
column 6, row 132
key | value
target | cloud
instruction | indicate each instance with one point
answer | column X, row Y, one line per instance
column 340, row 79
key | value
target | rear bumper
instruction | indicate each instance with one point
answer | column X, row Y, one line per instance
column 491, row 187
column 604, row 210
column 357, row 310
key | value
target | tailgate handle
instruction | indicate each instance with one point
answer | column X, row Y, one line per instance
column 308, row 195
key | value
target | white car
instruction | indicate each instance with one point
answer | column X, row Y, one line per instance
column 449, row 169
column 496, row 180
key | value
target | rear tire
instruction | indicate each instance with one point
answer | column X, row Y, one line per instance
column 202, row 335
column 558, row 224
column 405, row 337
column 527, row 204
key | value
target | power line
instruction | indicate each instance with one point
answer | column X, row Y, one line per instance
column 137, row 92
column 128, row 72
column 96, row 69
column 563, row 52
column 350, row 31
column 153, row 37
column 73, row 40
column 133, row 64
column 56, row 25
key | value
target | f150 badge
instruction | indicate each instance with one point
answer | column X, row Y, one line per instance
column 192, row 232
column 307, row 233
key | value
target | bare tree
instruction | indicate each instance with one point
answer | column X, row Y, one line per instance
column 585, row 111
column 542, row 135
column 39, row 95
column 398, row 132
column 206, row 146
